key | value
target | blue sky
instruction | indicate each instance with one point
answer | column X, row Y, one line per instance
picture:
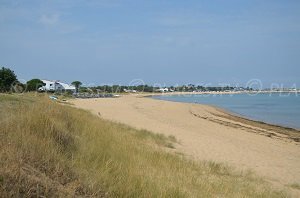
column 158, row 41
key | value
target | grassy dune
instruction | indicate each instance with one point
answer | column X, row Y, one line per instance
column 49, row 149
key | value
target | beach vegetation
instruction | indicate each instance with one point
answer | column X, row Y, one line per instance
column 7, row 79
column 295, row 186
column 77, row 84
column 34, row 84
column 54, row 150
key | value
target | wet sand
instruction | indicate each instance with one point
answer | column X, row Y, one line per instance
column 208, row 133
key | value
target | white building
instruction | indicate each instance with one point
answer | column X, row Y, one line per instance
column 56, row 86
column 67, row 87
column 162, row 90
column 129, row 90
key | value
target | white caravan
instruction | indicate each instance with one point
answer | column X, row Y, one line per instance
column 53, row 86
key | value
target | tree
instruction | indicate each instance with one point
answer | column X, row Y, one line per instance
column 7, row 78
column 18, row 87
column 77, row 85
column 34, row 84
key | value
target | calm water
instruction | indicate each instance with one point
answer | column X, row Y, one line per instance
column 281, row 109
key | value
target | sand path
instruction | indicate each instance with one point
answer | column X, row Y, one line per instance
column 277, row 160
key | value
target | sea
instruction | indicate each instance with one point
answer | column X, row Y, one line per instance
column 274, row 108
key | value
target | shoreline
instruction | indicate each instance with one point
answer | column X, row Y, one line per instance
column 218, row 93
column 209, row 133
column 227, row 111
column 288, row 132
column 291, row 133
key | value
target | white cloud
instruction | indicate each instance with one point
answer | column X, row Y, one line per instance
column 56, row 23
column 185, row 20
column 50, row 19
column 176, row 21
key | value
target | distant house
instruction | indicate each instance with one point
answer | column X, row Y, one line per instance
column 54, row 86
column 162, row 90
column 129, row 90
column 67, row 87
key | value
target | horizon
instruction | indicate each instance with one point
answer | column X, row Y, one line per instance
column 254, row 84
column 157, row 42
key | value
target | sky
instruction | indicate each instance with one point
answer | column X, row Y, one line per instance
column 158, row 42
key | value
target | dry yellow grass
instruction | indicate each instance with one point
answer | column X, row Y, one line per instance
column 54, row 150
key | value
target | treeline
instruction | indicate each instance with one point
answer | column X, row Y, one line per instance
column 10, row 83
column 149, row 88
column 118, row 88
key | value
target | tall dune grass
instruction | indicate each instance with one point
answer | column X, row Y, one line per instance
column 49, row 149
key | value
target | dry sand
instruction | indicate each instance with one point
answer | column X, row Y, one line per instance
column 207, row 133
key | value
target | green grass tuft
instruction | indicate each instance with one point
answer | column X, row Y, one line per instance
column 295, row 186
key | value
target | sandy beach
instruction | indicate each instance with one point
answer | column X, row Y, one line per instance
column 207, row 133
